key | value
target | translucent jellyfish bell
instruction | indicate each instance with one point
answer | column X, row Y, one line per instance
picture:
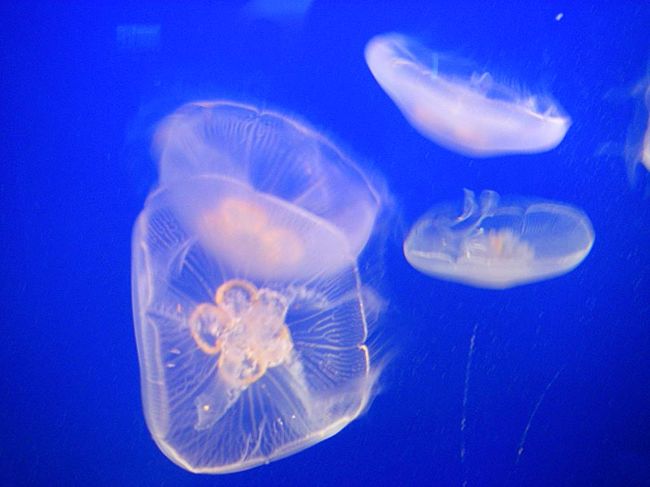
column 461, row 109
column 250, row 314
column 254, row 234
column 271, row 154
column 637, row 150
column 498, row 244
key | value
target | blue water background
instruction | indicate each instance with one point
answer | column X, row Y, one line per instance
column 557, row 391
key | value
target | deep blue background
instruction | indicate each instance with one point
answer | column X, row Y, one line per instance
column 567, row 357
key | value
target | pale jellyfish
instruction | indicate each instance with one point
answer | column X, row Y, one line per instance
column 637, row 150
column 497, row 244
column 274, row 156
column 460, row 108
column 249, row 310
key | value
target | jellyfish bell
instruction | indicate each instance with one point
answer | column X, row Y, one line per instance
column 272, row 154
column 499, row 243
column 467, row 112
column 237, row 372
column 253, row 234
column 250, row 313
column 637, row 146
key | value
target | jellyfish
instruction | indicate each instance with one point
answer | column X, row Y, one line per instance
column 249, row 309
column 637, row 149
column 272, row 155
column 460, row 108
column 499, row 243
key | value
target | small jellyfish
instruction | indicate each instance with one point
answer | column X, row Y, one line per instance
column 497, row 244
column 459, row 108
column 250, row 313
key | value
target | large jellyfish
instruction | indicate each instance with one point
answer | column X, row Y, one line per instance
column 248, row 305
column 460, row 108
column 497, row 244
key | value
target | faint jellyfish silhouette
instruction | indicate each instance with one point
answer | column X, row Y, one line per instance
column 279, row 11
column 248, row 305
column 448, row 101
column 498, row 244
column 637, row 147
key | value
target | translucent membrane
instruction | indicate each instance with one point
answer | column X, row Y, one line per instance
column 499, row 244
column 637, row 149
column 247, row 299
column 460, row 108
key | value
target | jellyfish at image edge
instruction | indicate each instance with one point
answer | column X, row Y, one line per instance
column 637, row 148
column 499, row 243
column 460, row 108
column 249, row 308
